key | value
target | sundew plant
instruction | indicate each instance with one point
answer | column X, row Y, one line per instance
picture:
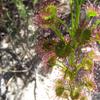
column 67, row 49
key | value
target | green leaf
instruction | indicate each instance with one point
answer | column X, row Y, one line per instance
column 91, row 13
column 87, row 64
column 75, row 93
column 81, row 1
column 91, row 54
column 71, row 58
column 62, row 49
column 77, row 12
column 89, row 83
column 52, row 10
column 85, row 36
column 59, row 90
column 52, row 61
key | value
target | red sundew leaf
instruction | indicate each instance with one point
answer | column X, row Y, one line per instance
column 92, row 10
column 44, row 54
column 40, row 20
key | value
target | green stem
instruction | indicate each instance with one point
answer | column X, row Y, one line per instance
column 63, row 23
column 72, row 22
column 77, row 14
column 57, row 32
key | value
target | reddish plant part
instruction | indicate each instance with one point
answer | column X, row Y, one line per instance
column 92, row 7
column 44, row 55
column 96, row 37
column 41, row 15
column 43, row 3
column 96, row 31
column 40, row 20
column 78, row 76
